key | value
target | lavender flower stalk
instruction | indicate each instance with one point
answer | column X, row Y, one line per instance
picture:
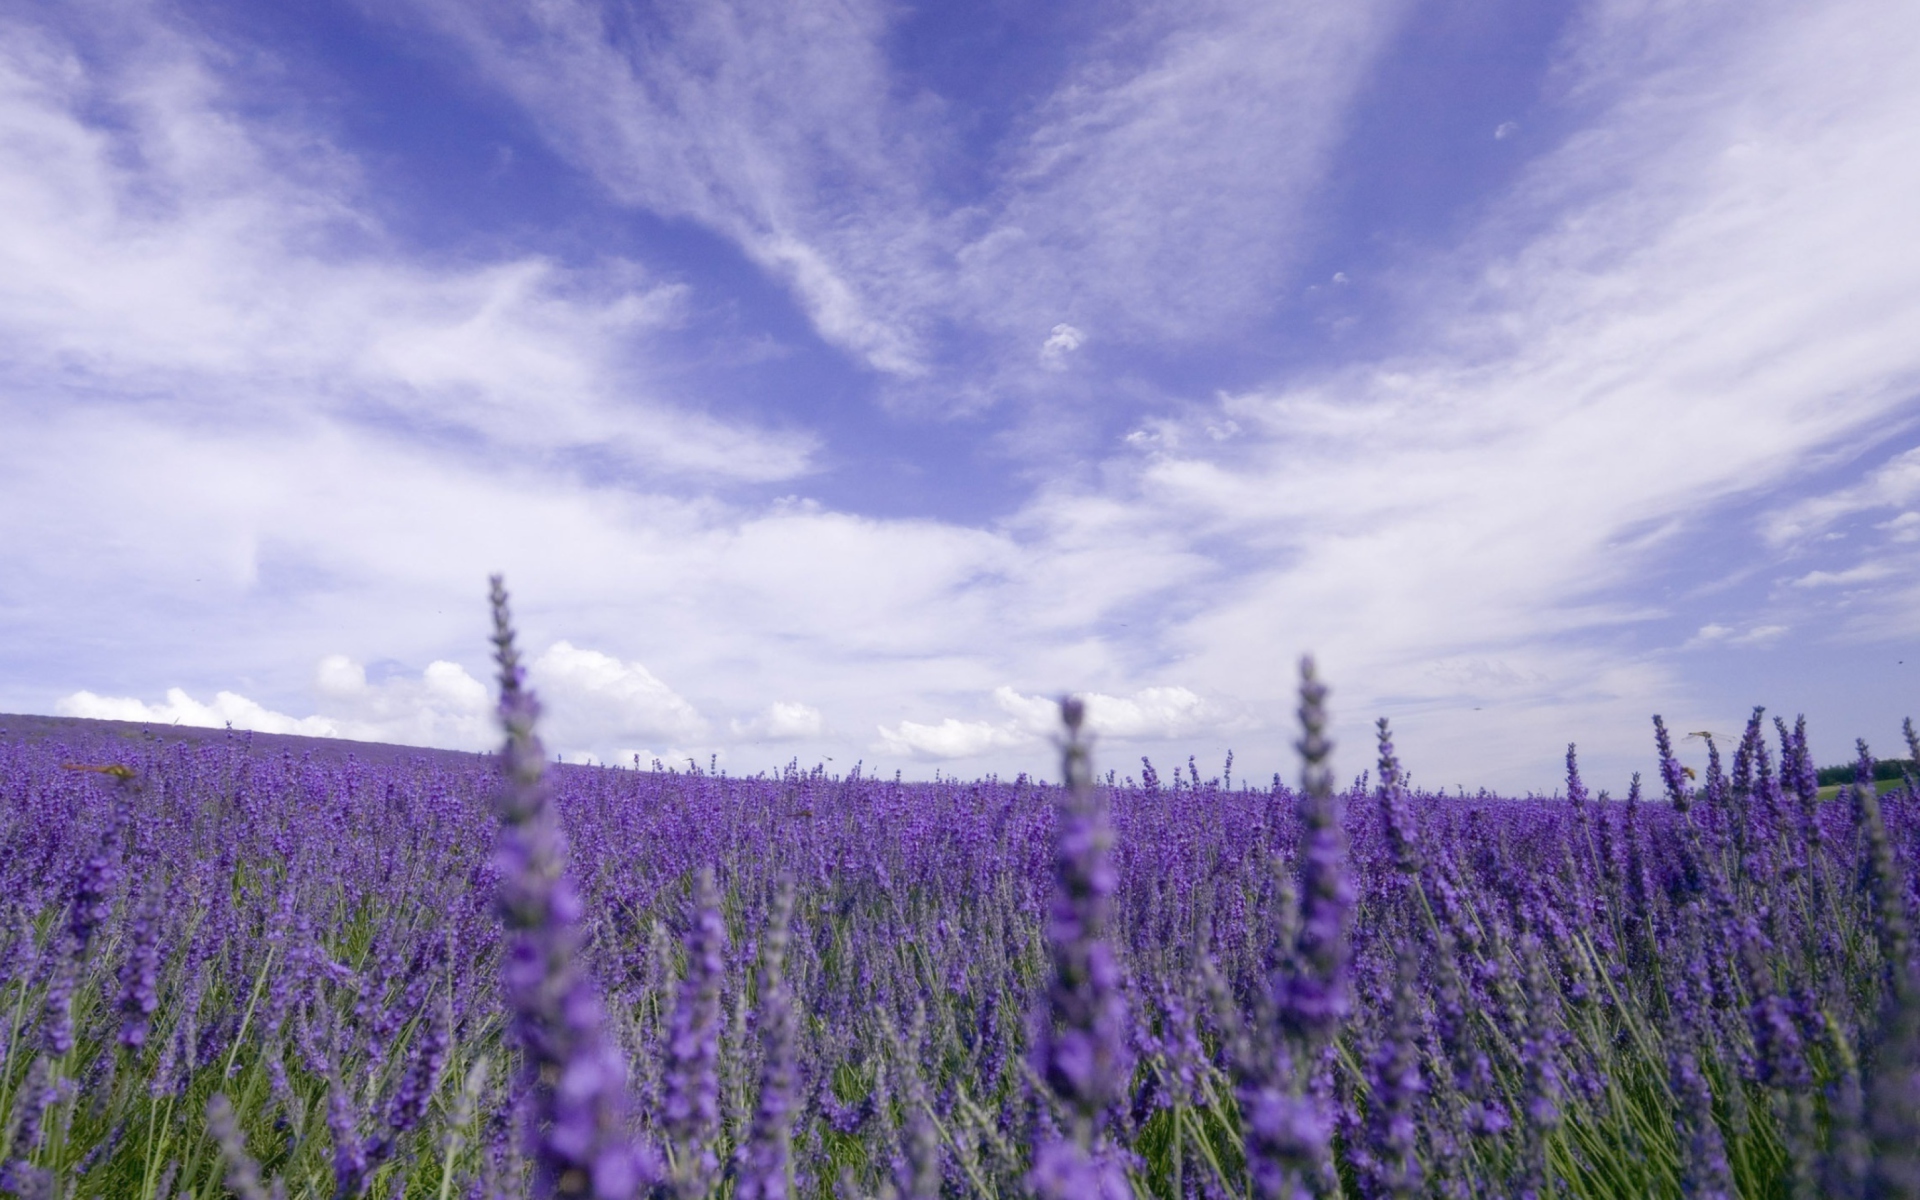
column 243, row 1172
column 1285, row 1129
column 574, row 1077
column 1312, row 997
column 693, row 1045
column 1396, row 1085
column 140, row 973
column 1881, row 878
column 766, row 1159
column 1081, row 1050
column 1394, row 816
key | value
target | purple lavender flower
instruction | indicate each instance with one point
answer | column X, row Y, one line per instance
column 243, row 1171
column 766, row 1157
column 1081, row 1045
column 1285, row 1128
column 1395, row 1086
column 350, row 1158
column 1893, row 1122
column 1672, row 774
column 93, row 893
column 575, row 1077
column 37, row 1093
column 56, row 1010
column 693, row 1044
column 1881, row 877
column 1704, row 1170
column 422, row 1077
column 1081, row 1050
column 1312, row 997
column 1286, row 1138
column 1392, row 797
column 1064, row 1170
column 140, row 973
column 917, row 1176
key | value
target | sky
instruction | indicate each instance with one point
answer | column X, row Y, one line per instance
column 841, row 382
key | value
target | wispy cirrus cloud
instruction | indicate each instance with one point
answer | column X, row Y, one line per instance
column 1708, row 289
column 1153, row 193
column 157, row 248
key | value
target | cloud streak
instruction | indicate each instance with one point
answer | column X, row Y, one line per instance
column 178, row 251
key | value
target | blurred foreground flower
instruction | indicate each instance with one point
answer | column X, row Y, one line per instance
column 574, row 1075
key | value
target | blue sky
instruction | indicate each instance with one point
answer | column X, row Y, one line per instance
column 842, row 380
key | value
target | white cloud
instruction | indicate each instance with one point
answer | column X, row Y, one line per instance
column 1151, row 714
column 1903, row 528
column 225, row 264
column 769, row 124
column 1728, row 635
column 228, row 708
column 1060, row 343
column 951, row 738
column 1157, row 187
column 444, row 707
column 591, row 697
column 783, row 720
column 1864, row 573
column 1890, row 486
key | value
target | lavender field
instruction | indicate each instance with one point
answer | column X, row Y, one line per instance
column 232, row 970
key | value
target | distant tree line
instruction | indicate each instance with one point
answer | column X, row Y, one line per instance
column 1885, row 769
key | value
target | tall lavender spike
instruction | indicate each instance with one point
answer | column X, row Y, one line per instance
column 1395, row 1085
column 243, row 1171
column 1671, row 772
column 1893, row 1120
column 140, row 972
column 1312, row 996
column 1704, row 1169
column 693, row 1045
column 766, row 1159
column 1392, row 795
column 1286, row 1131
column 350, row 1159
column 574, row 1077
column 1081, row 1047
column 1885, row 885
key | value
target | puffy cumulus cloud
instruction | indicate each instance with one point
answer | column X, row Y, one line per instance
column 951, row 738
column 1061, row 342
column 179, row 708
column 444, row 706
column 594, row 699
column 1151, row 714
column 783, row 720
